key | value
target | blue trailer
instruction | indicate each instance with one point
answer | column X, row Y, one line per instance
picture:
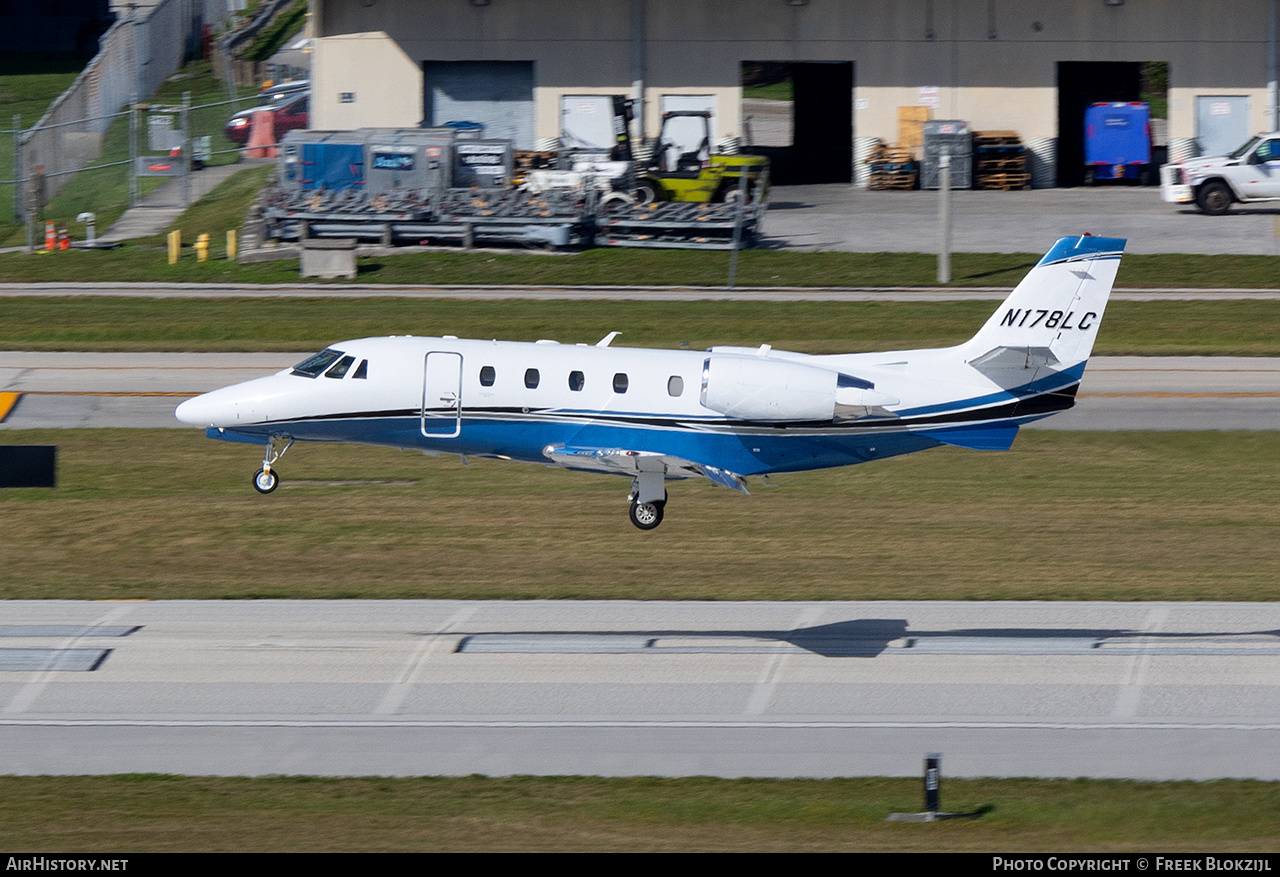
column 1117, row 141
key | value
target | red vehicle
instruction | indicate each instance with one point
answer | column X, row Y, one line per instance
column 290, row 112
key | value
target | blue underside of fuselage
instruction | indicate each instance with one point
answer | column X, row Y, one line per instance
column 758, row 454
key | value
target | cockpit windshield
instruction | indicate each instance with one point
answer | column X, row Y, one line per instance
column 314, row 365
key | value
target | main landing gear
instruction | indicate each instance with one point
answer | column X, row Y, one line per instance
column 648, row 499
column 647, row 515
column 265, row 479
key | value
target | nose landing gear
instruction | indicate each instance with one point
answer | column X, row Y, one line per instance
column 265, row 479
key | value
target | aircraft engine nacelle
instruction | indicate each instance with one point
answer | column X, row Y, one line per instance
column 759, row 388
column 754, row 387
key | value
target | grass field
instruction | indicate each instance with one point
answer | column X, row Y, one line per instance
column 147, row 260
column 169, row 514
column 1149, row 328
column 138, row 814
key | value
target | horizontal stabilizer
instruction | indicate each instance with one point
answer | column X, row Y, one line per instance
column 995, row 438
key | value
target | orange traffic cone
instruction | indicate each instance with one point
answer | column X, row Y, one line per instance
column 64, row 240
column 50, row 236
column 262, row 135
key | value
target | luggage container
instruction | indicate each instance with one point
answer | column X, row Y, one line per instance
column 409, row 159
column 329, row 160
column 957, row 138
column 486, row 164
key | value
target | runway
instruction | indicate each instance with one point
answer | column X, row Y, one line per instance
column 1145, row 690
column 63, row 390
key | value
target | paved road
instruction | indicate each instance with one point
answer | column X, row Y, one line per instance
column 1153, row 690
column 856, row 220
column 142, row 389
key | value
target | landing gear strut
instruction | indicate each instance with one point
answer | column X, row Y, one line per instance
column 648, row 497
column 265, row 479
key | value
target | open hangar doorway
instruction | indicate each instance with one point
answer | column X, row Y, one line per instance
column 800, row 115
column 1084, row 83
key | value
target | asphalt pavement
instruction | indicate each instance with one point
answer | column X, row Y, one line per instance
column 1155, row 691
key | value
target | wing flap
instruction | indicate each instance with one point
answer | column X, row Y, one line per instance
column 621, row 461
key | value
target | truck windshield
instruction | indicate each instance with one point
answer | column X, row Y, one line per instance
column 313, row 365
column 1246, row 148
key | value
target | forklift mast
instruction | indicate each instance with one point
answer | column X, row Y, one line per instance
column 622, row 116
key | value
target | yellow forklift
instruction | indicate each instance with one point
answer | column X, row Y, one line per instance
column 676, row 172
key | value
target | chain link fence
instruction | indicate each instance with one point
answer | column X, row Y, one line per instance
column 135, row 56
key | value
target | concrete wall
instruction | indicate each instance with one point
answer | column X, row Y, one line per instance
column 993, row 62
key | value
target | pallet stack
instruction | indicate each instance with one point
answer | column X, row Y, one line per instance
column 1000, row 161
column 892, row 167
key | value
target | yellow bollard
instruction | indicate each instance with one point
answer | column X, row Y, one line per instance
column 231, row 245
column 175, row 246
column 202, row 247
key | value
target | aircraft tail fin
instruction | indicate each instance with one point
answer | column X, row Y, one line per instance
column 1051, row 319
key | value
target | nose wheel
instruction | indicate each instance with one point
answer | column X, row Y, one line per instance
column 265, row 481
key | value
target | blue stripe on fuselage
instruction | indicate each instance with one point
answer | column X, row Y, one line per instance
column 524, row 440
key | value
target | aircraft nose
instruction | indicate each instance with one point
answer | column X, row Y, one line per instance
column 206, row 411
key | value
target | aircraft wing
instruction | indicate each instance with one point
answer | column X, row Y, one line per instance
column 621, row 461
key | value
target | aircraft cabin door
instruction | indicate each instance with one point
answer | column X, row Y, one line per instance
column 442, row 394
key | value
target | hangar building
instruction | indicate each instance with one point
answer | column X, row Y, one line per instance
column 526, row 69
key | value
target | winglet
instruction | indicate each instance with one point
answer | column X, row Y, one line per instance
column 608, row 339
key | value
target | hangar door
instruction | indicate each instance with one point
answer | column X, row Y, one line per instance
column 1080, row 85
column 800, row 115
column 497, row 94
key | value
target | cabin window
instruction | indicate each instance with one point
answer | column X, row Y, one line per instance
column 620, row 383
column 576, row 381
column 313, row 365
column 362, row 371
column 487, row 376
column 340, row 368
column 531, row 378
column 675, row 385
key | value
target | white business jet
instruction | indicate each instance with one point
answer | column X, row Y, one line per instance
column 659, row 415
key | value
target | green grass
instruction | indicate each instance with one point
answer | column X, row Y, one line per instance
column 147, row 261
column 28, row 85
column 149, row 813
column 171, row 515
column 772, row 91
column 273, row 36
column 103, row 187
column 90, row 323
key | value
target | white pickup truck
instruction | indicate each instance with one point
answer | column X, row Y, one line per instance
column 1214, row 182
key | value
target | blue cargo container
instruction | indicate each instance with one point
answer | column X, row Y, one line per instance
column 1117, row 141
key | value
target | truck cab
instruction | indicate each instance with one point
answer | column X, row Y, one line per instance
column 1250, row 173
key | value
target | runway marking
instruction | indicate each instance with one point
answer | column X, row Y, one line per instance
column 7, row 401
column 1178, row 395
column 103, row 393
column 28, row 693
column 767, row 683
column 1126, row 706
column 431, row 644
column 755, row 724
